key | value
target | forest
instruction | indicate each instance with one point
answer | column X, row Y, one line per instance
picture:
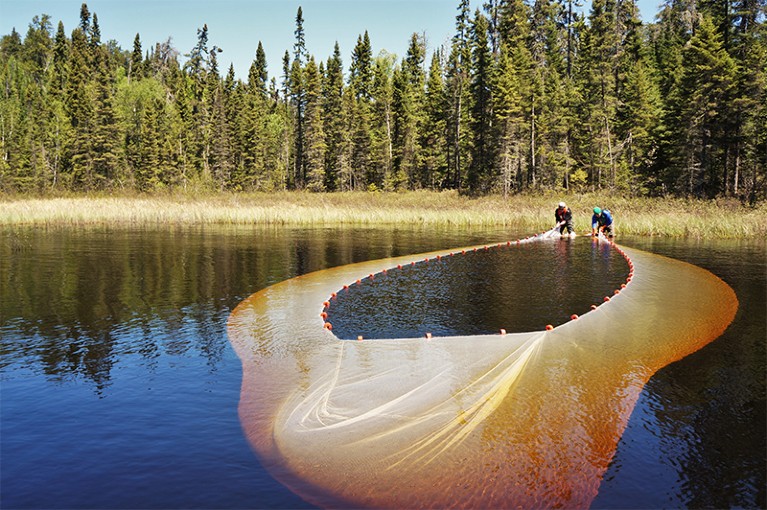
column 529, row 96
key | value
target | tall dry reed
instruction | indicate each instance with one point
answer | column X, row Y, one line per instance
column 636, row 216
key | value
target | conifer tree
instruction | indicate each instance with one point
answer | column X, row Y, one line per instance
column 10, row 45
column 258, row 76
column 315, row 135
column 220, row 141
column 95, row 34
column 747, row 177
column 457, row 90
column 105, row 134
column 433, row 135
column 85, row 19
column 598, row 74
column 527, row 96
column 700, row 109
column 480, row 174
column 361, row 82
column 408, row 113
column 60, row 61
column 298, row 99
column 361, row 70
column 38, row 48
column 135, row 67
column 80, row 108
column 509, row 122
column 382, row 157
column 333, row 118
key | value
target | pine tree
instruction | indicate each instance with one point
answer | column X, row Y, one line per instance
column 552, row 93
column 80, row 107
column 10, row 45
column 135, row 68
column 105, row 134
column 382, row 155
column 457, row 90
column 700, row 109
column 85, row 19
column 38, row 48
column 94, row 34
column 361, row 70
column 408, row 113
column 434, row 133
column 748, row 151
column 333, row 117
column 598, row 84
column 298, row 99
column 480, row 175
column 315, row 135
column 288, row 155
column 509, row 124
column 361, row 82
column 258, row 76
column 221, row 137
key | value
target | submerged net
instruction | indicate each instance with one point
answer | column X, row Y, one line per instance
column 481, row 292
column 527, row 419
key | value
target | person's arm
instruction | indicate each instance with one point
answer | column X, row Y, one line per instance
column 594, row 224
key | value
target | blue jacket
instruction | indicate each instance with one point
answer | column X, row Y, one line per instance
column 603, row 219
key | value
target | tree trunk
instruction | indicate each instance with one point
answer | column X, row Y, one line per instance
column 532, row 143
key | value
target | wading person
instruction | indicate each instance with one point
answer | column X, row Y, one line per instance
column 564, row 217
column 602, row 222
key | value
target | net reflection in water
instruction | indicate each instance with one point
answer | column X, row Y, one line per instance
column 525, row 419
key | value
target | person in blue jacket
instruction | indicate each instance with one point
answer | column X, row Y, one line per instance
column 602, row 221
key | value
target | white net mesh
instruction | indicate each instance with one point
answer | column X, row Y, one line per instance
column 525, row 419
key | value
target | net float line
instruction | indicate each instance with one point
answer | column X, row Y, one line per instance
column 537, row 237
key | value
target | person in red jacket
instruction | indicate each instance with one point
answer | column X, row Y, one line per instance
column 564, row 220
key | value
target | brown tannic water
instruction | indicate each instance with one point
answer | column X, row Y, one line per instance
column 121, row 389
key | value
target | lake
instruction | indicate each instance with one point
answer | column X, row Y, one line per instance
column 120, row 388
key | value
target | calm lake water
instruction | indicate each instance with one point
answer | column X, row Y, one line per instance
column 120, row 389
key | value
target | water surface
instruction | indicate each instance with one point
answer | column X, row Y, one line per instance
column 120, row 389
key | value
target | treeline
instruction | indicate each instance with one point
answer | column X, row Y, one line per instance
column 529, row 95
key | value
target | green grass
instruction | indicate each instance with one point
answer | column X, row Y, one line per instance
column 636, row 216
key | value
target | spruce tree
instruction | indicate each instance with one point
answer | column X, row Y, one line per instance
column 361, row 70
column 433, row 136
column 80, row 107
column 361, row 82
column 105, row 145
column 408, row 113
column 700, row 109
column 298, row 99
column 333, row 118
column 135, row 67
column 382, row 155
column 315, row 136
column 509, row 122
column 598, row 87
column 85, row 19
column 258, row 76
column 457, row 90
column 480, row 174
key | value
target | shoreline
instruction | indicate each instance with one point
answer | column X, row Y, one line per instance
column 666, row 217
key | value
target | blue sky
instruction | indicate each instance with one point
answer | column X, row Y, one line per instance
column 237, row 26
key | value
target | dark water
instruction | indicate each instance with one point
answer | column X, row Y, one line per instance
column 119, row 388
column 517, row 288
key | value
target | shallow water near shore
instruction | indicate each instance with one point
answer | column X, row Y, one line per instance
column 117, row 372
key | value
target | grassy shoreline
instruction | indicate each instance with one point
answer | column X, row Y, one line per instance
column 634, row 216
